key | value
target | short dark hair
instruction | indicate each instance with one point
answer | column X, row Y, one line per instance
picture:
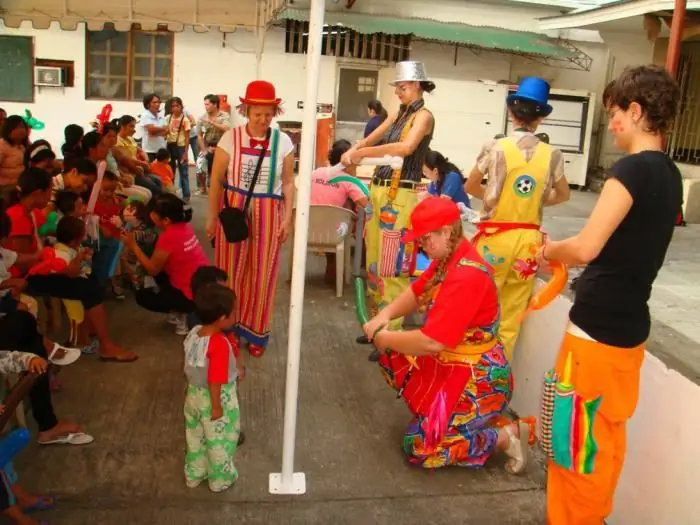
column 214, row 302
column 653, row 88
column 169, row 206
column 206, row 275
column 110, row 176
column 39, row 151
column 214, row 99
column 147, row 99
column 525, row 111
column 11, row 123
column 90, row 141
column 337, row 150
column 64, row 201
column 125, row 120
column 5, row 224
column 162, row 154
column 70, row 229
column 85, row 166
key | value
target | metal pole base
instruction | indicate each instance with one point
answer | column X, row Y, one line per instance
column 297, row 485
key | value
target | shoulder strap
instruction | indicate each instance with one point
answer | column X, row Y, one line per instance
column 256, row 174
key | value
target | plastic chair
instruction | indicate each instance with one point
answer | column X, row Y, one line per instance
column 330, row 231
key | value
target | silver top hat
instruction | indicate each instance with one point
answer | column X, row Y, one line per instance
column 410, row 71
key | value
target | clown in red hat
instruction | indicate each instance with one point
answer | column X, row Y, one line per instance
column 260, row 93
column 253, row 172
column 452, row 370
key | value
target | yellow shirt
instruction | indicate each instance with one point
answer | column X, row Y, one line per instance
column 129, row 144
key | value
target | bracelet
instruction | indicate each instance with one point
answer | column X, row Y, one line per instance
column 544, row 248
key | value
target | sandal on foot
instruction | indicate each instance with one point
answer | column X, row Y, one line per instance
column 74, row 438
column 42, row 504
column 518, row 448
column 122, row 357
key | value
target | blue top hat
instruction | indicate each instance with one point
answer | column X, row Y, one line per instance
column 533, row 89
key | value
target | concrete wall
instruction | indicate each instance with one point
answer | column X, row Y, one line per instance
column 209, row 63
column 657, row 486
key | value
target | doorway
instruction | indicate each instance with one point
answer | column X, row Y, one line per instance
column 356, row 87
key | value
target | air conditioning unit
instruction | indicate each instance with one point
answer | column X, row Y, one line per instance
column 48, row 76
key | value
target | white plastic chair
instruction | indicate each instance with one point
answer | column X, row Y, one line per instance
column 330, row 231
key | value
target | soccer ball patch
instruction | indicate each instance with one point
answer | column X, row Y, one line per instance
column 524, row 185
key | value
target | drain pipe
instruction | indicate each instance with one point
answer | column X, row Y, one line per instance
column 673, row 52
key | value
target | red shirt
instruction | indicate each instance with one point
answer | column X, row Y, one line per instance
column 24, row 224
column 106, row 210
column 468, row 298
column 185, row 255
column 219, row 354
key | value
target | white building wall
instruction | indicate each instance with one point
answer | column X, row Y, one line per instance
column 215, row 63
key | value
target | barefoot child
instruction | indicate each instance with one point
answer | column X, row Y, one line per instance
column 212, row 415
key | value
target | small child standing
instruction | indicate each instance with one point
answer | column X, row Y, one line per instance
column 108, row 209
column 212, row 414
column 162, row 169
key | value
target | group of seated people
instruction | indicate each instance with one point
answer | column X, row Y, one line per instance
column 101, row 219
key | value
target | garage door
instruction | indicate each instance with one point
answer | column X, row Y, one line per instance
column 467, row 114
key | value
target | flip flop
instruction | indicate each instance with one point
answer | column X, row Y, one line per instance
column 70, row 356
column 42, row 504
column 119, row 358
column 74, row 438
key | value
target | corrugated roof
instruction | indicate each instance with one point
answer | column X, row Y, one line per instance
column 484, row 37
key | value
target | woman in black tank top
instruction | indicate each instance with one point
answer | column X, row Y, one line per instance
column 623, row 246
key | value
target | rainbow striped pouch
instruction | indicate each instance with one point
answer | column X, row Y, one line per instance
column 571, row 428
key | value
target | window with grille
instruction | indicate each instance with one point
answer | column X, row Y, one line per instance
column 340, row 41
column 128, row 65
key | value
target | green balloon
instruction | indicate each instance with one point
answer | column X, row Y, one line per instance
column 360, row 301
column 49, row 227
column 352, row 180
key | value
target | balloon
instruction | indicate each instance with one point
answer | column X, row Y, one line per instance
column 363, row 318
column 49, row 263
column 360, row 301
column 352, row 180
column 549, row 292
column 32, row 122
column 103, row 117
column 49, row 227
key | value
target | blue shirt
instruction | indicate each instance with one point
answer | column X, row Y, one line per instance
column 453, row 187
column 151, row 143
column 372, row 124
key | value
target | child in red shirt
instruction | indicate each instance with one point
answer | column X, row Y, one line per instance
column 212, row 414
column 108, row 208
column 162, row 169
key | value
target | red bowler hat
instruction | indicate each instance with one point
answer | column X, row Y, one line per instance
column 431, row 214
column 260, row 93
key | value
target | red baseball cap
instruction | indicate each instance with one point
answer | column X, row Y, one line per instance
column 431, row 214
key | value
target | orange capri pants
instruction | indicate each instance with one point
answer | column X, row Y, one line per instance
column 610, row 375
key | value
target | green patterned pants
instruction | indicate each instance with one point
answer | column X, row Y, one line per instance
column 211, row 445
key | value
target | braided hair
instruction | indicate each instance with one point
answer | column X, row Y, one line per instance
column 456, row 236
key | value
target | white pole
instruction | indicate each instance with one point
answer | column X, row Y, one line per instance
column 288, row 481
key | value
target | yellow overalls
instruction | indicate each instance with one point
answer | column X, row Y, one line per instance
column 509, row 240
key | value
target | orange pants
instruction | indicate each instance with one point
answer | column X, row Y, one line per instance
column 612, row 373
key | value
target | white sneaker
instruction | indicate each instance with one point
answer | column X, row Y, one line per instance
column 173, row 318
column 181, row 327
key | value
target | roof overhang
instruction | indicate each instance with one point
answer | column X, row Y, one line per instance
column 203, row 15
column 620, row 16
column 483, row 37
